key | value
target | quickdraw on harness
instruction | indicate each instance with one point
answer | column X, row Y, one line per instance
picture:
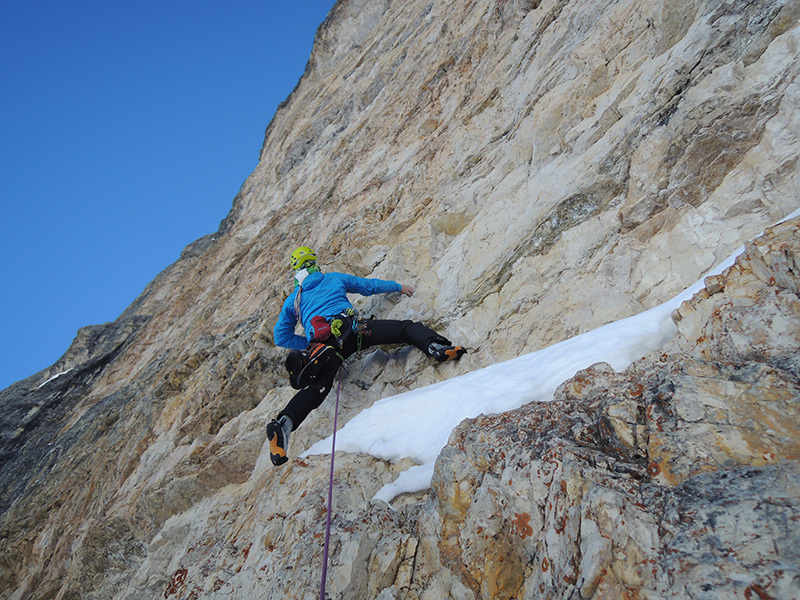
column 342, row 325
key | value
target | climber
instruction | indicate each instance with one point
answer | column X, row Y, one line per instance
column 334, row 331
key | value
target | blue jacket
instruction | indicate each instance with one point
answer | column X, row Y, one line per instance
column 325, row 295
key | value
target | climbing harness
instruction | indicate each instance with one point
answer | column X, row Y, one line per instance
column 346, row 323
column 330, row 488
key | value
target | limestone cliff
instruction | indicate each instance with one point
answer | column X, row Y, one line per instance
column 536, row 168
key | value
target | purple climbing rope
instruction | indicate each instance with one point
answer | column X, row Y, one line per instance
column 330, row 491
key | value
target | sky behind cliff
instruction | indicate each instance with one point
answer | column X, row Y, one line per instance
column 126, row 130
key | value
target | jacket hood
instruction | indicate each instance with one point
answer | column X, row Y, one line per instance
column 310, row 281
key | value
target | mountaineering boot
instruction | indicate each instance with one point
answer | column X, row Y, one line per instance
column 442, row 352
column 304, row 365
column 295, row 362
column 318, row 356
column 278, row 435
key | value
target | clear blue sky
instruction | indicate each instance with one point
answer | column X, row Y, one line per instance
column 126, row 130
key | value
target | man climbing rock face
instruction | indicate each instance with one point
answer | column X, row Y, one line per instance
column 333, row 333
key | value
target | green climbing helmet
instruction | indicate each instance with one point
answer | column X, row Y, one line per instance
column 303, row 257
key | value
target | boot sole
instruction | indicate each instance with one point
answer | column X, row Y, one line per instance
column 453, row 354
column 277, row 454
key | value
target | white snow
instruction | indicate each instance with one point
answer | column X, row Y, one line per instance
column 417, row 424
column 54, row 377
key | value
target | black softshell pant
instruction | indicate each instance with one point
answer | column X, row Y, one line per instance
column 378, row 332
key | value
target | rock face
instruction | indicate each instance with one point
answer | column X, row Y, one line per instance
column 536, row 168
column 677, row 478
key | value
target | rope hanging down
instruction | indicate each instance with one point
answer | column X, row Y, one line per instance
column 330, row 490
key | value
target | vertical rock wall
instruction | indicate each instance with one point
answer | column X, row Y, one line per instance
column 678, row 478
column 536, row 168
